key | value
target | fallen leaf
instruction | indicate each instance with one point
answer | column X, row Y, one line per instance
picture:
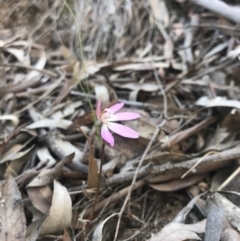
column 14, row 153
column 34, row 74
column 45, row 157
column 180, row 232
column 41, row 198
column 178, row 184
column 218, row 102
column 21, row 56
column 12, row 217
column 48, row 123
column 66, row 236
column 160, row 11
column 12, row 118
column 232, row 211
column 230, row 234
column 60, row 214
column 105, row 228
column 102, row 93
column 46, row 176
column 34, row 229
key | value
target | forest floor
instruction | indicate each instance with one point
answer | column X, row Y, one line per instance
column 174, row 66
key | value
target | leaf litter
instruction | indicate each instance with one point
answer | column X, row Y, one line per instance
column 176, row 64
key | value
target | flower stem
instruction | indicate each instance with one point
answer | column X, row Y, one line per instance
column 99, row 178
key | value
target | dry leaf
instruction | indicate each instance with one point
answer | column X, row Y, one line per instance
column 41, row 198
column 141, row 66
column 218, row 102
column 12, row 118
column 230, row 234
column 60, row 214
column 45, row 157
column 48, row 123
column 12, row 217
column 66, row 236
column 14, row 153
column 180, row 232
column 105, row 228
column 232, row 211
column 102, row 93
column 34, row 74
column 21, row 56
column 160, row 11
column 178, row 184
column 46, row 176
column 33, row 230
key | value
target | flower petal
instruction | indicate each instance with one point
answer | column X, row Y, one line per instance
column 122, row 130
column 122, row 116
column 106, row 135
column 116, row 107
column 98, row 110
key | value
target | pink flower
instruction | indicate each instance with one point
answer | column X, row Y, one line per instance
column 108, row 116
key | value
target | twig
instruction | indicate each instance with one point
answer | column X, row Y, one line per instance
column 133, row 181
column 229, row 179
column 195, row 165
column 171, row 171
column 180, row 136
column 114, row 197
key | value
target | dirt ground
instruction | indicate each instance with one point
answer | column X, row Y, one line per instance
column 166, row 74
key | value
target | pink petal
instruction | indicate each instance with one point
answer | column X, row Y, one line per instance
column 98, row 110
column 122, row 116
column 116, row 107
column 122, row 130
column 106, row 135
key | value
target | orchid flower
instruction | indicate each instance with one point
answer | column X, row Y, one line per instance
column 108, row 116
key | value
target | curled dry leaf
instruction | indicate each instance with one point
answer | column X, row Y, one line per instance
column 21, row 56
column 45, row 157
column 34, row 74
column 14, row 119
column 41, row 198
column 180, row 232
column 102, row 93
column 60, row 214
column 12, row 217
column 105, row 229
